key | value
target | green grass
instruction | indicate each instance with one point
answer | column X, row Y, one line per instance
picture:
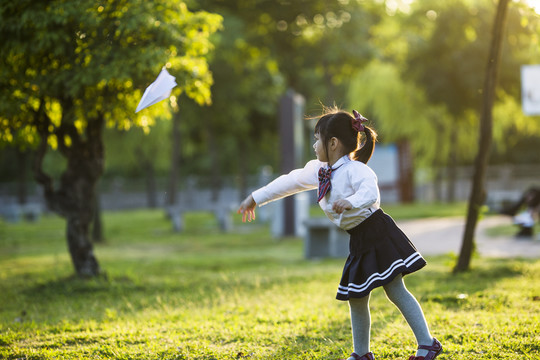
column 508, row 230
column 419, row 210
column 242, row 295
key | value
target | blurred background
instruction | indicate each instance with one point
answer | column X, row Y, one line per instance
column 414, row 68
column 179, row 275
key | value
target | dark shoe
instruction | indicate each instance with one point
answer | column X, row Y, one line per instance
column 368, row 356
column 433, row 350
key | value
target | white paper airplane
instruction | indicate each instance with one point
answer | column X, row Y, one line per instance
column 159, row 90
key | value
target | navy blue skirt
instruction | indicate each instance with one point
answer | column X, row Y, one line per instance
column 379, row 251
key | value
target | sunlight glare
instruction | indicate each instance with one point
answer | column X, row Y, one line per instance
column 535, row 4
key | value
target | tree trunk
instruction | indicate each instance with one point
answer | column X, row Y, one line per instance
column 22, row 183
column 437, row 183
column 243, row 169
column 151, row 189
column 150, row 177
column 439, row 161
column 175, row 159
column 452, row 171
column 478, row 192
column 406, row 172
column 74, row 199
column 80, row 246
column 215, row 173
column 97, row 224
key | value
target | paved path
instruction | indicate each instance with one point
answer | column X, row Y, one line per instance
column 444, row 235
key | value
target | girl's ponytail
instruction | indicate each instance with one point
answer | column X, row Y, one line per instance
column 364, row 151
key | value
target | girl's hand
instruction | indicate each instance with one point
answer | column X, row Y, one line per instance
column 341, row 205
column 247, row 209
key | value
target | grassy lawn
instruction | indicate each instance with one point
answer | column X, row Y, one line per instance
column 206, row 295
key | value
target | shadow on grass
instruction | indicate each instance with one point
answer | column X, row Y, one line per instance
column 73, row 285
column 454, row 290
column 184, row 276
column 120, row 295
column 331, row 341
column 437, row 285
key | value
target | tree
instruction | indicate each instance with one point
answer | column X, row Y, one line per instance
column 446, row 60
column 425, row 79
column 398, row 106
column 478, row 192
column 71, row 67
column 446, row 65
column 401, row 114
column 318, row 44
column 241, row 119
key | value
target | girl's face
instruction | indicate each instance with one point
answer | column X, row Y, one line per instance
column 319, row 149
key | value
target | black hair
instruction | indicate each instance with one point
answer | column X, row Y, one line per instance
column 338, row 124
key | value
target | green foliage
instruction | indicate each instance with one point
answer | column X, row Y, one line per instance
column 82, row 58
column 264, row 49
column 425, row 82
column 449, row 63
column 414, row 68
column 510, row 120
column 70, row 67
column 400, row 110
column 245, row 95
column 207, row 295
column 129, row 151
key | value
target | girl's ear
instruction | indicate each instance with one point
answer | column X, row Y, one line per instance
column 334, row 142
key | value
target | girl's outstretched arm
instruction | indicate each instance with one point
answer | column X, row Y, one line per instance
column 289, row 184
column 247, row 209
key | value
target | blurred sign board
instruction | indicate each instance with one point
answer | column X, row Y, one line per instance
column 530, row 89
column 291, row 133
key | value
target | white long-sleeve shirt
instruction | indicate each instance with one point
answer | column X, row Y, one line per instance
column 353, row 181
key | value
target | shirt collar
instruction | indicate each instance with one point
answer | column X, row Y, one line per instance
column 344, row 159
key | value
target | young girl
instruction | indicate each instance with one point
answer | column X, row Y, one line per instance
column 380, row 253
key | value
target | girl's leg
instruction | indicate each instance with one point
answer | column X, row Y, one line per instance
column 361, row 324
column 411, row 310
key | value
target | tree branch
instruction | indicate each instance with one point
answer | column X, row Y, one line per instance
column 67, row 127
column 94, row 140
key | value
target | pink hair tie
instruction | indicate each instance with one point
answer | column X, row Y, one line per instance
column 358, row 120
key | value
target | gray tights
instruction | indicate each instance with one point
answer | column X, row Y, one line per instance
column 398, row 294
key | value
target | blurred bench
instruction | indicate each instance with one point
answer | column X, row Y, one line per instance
column 324, row 239
column 222, row 213
column 16, row 212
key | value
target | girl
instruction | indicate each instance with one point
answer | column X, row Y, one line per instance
column 380, row 253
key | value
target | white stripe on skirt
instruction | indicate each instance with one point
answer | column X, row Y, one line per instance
column 379, row 276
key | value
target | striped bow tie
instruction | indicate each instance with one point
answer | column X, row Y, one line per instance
column 324, row 181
